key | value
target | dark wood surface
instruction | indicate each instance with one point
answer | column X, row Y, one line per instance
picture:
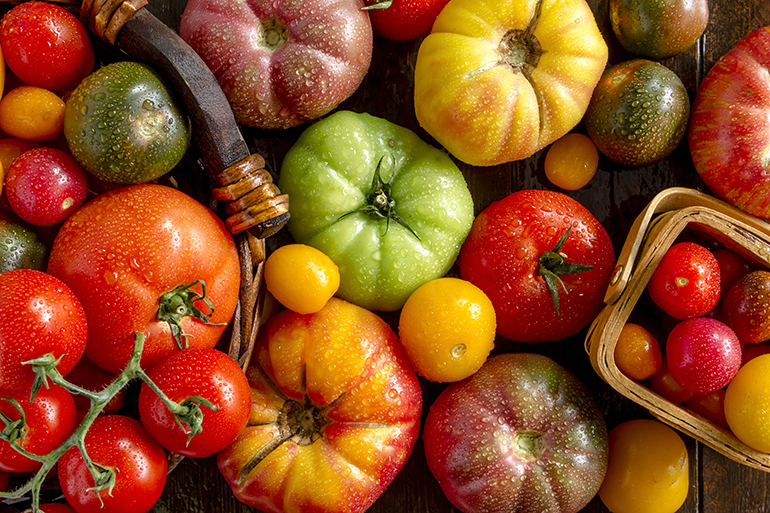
column 615, row 196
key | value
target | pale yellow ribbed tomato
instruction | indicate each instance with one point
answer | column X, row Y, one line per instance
column 497, row 81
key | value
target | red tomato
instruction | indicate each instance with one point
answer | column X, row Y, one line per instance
column 403, row 20
column 56, row 507
column 48, row 421
column 333, row 397
column 513, row 251
column 46, row 46
column 45, row 186
column 197, row 372
column 710, row 406
column 120, row 445
column 730, row 125
column 687, row 281
column 126, row 252
column 744, row 307
column 88, row 375
column 39, row 315
column 732, row 265
column 664, row 384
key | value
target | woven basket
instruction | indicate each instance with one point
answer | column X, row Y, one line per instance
column 655, row 230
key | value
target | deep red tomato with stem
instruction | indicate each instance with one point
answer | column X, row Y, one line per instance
column 687, row 281
column 205, row 377
column 39, row 315
column 48, row 421
column 138, row 258
column 46, row 46
column 403, row 20
column 545, row 262
column 121, row 445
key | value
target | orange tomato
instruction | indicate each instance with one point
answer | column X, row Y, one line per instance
column 31, row 113
column 571, row 161
column 637, row 353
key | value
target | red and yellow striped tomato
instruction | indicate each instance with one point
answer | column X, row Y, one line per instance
column 497, row 81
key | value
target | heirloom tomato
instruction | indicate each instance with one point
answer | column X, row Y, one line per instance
column 729, row 135
column 335, row 413
column 21, row 244
column 39, row 315
column 389, row 209
column 498, row 81
column 281, row 63
column 148, row 258
column 545, row 262
column 522, row 434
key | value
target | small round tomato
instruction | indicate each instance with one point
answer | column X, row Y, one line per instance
column 732, row 265
column 185, row 377
column 48, row 421
column 664, row 384
column 703, row 354
column 403, row 20
column 123, row 447
column 687, row 281
column 747, row 404
column 148, row 258
column 571, row 161
column 39, row 315
column 744, row 307
column 302, row 278
column 45, row 186
column 31, row 113
column 21, row 245
column 447, row 328
column 637, row 353
column 710, row 406
column 46, row 46
column 648, row 471
column 543, row 260
column 12, row 147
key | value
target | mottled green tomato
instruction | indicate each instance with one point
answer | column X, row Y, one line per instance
column 388, row 208
column 21, row 245
column 123, row 125
column 638, row 112
column 658, row 29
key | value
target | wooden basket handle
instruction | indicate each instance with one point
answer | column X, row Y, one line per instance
column 668, row 200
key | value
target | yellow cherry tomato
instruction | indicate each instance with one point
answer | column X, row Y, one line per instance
column 301, row 277
column 747, row 403
column 571, row 161
column 31, row 113
column 637, row 353
column 648, row 469
column 447, row 327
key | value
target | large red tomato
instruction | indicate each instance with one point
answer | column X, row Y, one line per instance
column 729, row 134
column 335, row 413
column 545, row 262
column 138, row 258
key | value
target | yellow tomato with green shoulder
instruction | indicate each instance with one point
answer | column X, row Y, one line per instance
column 497, row 81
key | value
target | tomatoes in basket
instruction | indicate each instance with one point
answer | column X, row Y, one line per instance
column 744, row 307
column 148, row 258
column 335, row 413
column 545, row 262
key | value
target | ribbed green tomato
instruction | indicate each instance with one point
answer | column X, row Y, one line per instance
column 123, row 125
column 388, row 208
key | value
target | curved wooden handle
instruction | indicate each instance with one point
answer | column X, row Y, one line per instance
column 230, row 165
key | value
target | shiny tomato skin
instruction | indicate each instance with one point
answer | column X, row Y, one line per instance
column 124, row 249
column 729, row 130
column 46, row 46
column 404, row 20
column 39, row 315
column 203, row 372
column 119, row 443
column 501, row 257
column 522, row 434
column 343, row 373
column 48, row 421
column 744, row 307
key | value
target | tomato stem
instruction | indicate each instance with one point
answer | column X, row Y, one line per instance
column 552, row 265
column 180, row 302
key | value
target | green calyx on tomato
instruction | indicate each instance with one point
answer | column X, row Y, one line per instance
column 180, row 302
column 552, row 265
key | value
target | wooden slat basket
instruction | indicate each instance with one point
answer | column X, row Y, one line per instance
column 655, row 230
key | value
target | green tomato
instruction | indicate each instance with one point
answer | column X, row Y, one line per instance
column 389, row 209
column 123, row 126
column 21, row 245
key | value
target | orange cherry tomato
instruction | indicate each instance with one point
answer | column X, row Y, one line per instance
column 571, row 161
column 31, row 113
column 637, row 353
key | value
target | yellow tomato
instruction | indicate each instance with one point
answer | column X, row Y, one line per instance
column 447, row 327
column 497, row 81
column 648, row 470
column 31, row 113
column 747, row 403
column 571, row 161
column 301, row 277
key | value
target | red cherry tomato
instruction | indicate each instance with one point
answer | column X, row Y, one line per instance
column 39, row 315
column 664, row 384
column 403, row 20
column 44, row 45
column 732, row 265
column 202, row 372
column 45, row 186
column 121, row 445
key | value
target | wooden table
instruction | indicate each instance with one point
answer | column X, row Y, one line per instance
column 615, row 196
